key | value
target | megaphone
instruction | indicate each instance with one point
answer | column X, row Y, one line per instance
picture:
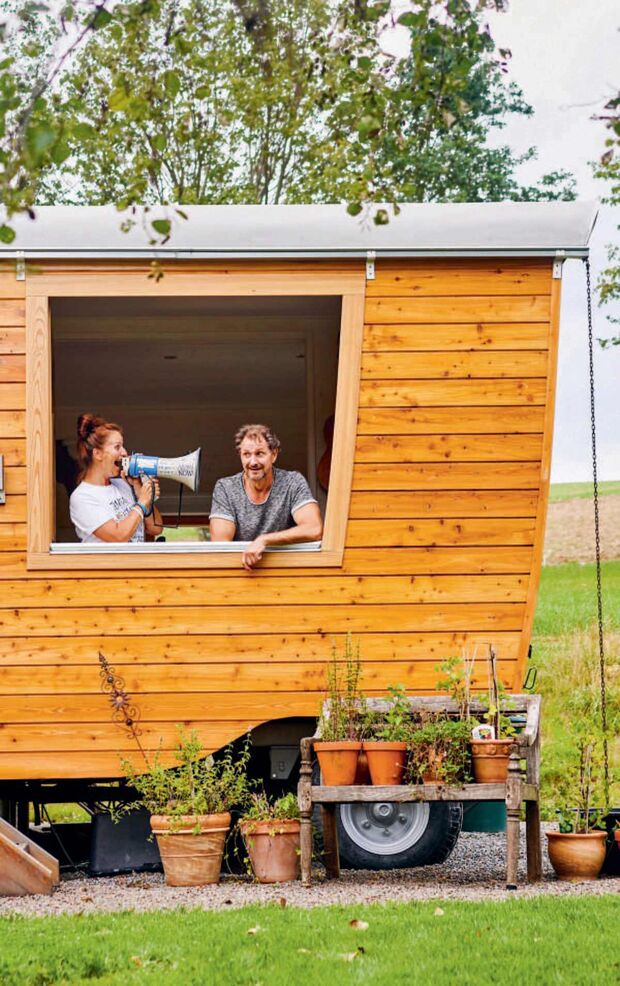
column 185, row 469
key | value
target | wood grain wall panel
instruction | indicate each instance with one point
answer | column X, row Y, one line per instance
column 160, row 679
column 336, row 618
column 458, row 393
column 14, row 451
column 357, row 561
column 12, row 368
column 65, row 652
column 430, row 279
column 450, row 365
column 386, row 505
column 517, row 420
column 471, row 531
column 12, row 397
column 449, row 448
column 446, row 476
column 12, row 312
column 14, row 510
column 12, row 340
column 444, row 513
column 473, row 336
column 12, row 424
column 519, row 308
column 240, row 591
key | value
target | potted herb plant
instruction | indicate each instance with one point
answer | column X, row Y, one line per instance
column 386, row 736
column 190, row 807
column 341, row 718
column 577, row 850
column 439, row 750
column 271, row 833
column 494, row 737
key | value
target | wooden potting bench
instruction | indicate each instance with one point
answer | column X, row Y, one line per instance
column 521, row 785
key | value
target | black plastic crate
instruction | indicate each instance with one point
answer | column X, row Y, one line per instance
column 124, row 846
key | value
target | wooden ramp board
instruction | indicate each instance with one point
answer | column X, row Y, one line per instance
column 25, row 868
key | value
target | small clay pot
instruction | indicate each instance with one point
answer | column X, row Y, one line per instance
column 191, row 858
column 338, row 761
column 490, row 760
column 432, row 774
column 386, row 761
column 273, row 848
column 577, row 856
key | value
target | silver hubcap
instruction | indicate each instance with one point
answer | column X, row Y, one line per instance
column 384, row 827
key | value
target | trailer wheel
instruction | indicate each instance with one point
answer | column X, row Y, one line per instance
column 388, row 836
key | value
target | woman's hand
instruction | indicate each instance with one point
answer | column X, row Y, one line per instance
column 148, row 492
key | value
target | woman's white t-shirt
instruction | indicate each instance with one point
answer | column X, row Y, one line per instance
column 90, row 506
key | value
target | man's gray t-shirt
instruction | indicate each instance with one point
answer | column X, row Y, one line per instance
column 289, row 492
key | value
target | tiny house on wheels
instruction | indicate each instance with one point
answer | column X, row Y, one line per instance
column 409, row 371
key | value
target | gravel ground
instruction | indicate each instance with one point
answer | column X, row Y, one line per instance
column 474, row 872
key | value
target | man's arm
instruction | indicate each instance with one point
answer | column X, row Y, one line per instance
column 308, row 527
column 221, row 529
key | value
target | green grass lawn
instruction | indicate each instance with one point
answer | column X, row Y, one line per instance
column 565, row 654
column 581, row 491
column 567, row 598
column 540, row 941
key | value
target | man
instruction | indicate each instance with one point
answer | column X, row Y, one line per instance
column 261, row 504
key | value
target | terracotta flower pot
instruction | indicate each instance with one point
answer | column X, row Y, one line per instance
column 338, row 761
column 490, row 760
column 189, row 859
column 273, row 848
column 617, row 836
column 386, row 761
column 577, row 856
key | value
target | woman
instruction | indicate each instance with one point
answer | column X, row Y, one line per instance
column 106, row 506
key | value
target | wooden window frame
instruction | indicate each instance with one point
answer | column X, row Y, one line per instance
column 132, row 281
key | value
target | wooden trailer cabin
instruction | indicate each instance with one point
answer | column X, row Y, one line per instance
column 427, row 346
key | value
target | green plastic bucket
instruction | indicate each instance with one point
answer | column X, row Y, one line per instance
column 484, row 816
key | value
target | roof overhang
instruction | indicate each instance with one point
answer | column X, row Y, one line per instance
column 502, row 229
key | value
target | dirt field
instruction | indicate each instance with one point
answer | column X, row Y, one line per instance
column 570, row 530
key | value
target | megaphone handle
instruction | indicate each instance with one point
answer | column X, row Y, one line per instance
column 143, row 476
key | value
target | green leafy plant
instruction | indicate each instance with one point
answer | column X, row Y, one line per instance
column 395, row 724
column 344, row 718
column 260, row 809
column 439, row 745
column 198, row 785
column 581, row 803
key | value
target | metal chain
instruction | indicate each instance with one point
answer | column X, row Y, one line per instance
column 597, row 540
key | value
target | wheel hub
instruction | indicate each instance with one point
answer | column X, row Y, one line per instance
column 384, row 827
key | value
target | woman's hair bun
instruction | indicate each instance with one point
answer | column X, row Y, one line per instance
column 86, row 425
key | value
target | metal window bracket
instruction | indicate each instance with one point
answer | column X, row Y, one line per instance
column 20, row 266
column 2, row 493
column 558, row 263
column 371, row 256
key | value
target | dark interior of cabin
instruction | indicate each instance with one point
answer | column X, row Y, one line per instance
column 178, row 373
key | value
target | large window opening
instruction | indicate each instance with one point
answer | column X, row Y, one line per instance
column 181, row 372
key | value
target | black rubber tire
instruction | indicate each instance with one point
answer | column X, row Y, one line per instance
column 434, row 845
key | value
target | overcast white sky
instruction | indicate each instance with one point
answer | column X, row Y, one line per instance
column 566, row 57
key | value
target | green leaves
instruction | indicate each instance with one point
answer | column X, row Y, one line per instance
column 172, row 83
column 7, row 235
column 39, row 139
column 162, row 226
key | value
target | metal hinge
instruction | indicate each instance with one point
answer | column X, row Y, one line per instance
column 20, row 266
column 371, row 256
column 560, row 257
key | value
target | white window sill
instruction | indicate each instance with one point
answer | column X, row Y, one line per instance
column 170, row 548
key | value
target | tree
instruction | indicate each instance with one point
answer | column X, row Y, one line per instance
column 608, row 168
column 183, row 101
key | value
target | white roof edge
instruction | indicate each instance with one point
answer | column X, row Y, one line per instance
column 245, row 231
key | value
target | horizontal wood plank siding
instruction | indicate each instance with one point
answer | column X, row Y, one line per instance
column 443, row 529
